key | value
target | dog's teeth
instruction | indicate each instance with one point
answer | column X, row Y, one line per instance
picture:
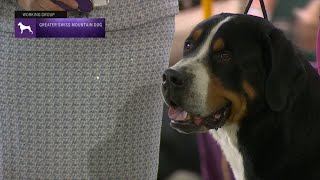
column 188, row 117
column 217, row 116
column 225, row 113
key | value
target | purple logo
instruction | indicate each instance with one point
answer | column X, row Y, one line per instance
column 25, row 28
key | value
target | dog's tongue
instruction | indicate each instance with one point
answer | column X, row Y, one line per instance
column 177, row 114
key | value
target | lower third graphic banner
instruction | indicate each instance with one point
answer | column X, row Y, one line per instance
column 59, row 27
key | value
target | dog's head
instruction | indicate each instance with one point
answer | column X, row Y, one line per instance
column 231, row 63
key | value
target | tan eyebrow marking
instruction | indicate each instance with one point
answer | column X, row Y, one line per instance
column 218, row 44
column 196, row 35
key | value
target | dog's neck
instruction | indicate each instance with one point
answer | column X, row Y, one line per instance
column 228, row 141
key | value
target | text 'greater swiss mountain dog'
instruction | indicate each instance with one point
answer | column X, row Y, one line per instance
column 244, row 81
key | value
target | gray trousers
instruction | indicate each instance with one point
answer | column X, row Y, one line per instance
column 83, row 108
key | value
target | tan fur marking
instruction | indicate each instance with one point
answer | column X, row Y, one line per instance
column 196, row 35
column 215, row 98
column 218, row 96
column 218, row 44
column 249, row 90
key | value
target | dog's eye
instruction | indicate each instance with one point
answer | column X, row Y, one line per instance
column 187, row 45
column 225, row 56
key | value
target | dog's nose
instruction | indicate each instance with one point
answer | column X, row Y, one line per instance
column 173, row 78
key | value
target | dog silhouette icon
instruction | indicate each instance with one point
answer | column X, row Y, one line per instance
column 24, row 27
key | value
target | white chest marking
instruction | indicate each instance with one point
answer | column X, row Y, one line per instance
column 227, row 139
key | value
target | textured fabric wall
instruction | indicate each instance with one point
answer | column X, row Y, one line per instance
column 58, row 120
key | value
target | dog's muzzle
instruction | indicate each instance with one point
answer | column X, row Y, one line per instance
column 174, row 87
column 173, row 79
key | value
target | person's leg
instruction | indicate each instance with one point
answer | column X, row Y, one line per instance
column 83, row 108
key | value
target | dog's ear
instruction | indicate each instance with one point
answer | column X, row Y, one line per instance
column 285, row 69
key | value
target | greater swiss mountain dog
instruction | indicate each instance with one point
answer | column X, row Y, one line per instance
column 243, row 81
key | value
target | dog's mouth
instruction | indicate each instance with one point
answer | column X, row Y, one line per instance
column 180, row 118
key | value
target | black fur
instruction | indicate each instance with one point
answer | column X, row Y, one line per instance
column 280, row 137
